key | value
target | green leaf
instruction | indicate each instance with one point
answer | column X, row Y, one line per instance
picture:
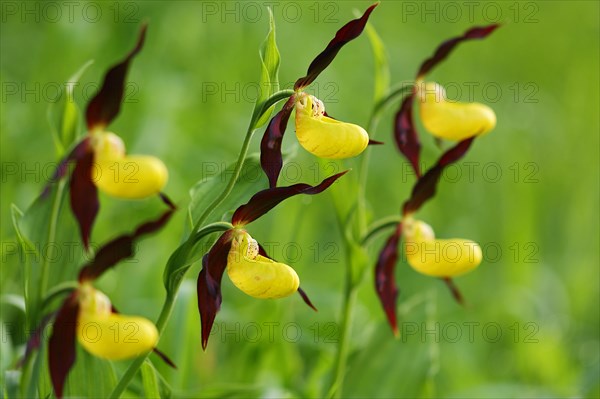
column 64, row 115
column 150, row 380
column 90, row 377
column 251, row 180
column 382, row 68
column 269, row 77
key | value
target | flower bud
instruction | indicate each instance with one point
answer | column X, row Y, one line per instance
column 326, row 137
column 452, row 120
column 111, row 335
column 439, row 257
column 256, row 275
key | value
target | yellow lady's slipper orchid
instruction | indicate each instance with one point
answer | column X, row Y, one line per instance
column 126, row 176
column 439, row 258
column 326, row 137
column 452, row 120
column 256, row 275
column 111, row 335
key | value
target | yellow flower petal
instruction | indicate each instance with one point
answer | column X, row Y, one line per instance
column 439, row 257
column 326, row 137
column 116, row 336
column 256, row 275
column 132, row 177
column 452, row 120
column 109, row 335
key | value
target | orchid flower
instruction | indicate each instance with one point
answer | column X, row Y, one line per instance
column 247, row 264
column 317, row 132
column 100, row 158
column 462, row 122
column 87, row 315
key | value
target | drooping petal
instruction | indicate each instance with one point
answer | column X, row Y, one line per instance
column 271, row 159
column 406, row 136
column 265, row 200
column 84, row 196
column 446, row 48
column 326, row 137
column 105, row 105
column 347, row 33
column 61, row 346
column 257, row 275
column 438, row 257
column 385, row 283
column 78, row 151
column 121, row 248
column 132, row 176
column 209, row 283
column 456, row 294
column 426, row 186
column 452, row 120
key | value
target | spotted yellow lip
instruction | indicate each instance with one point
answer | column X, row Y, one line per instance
column 326, row 137
column 452, row 120
column 256, row 275
column 439, row 257
column 126, row 176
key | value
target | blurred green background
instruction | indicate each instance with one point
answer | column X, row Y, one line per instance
column 528, row 192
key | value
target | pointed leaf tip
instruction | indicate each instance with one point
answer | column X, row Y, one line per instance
column 265, row 200
column 106, row 104
column 346, row 34
column 385, row 283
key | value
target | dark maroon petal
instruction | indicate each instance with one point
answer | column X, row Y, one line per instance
column 121, row 248
column 76, row 153
column 347, row 33
column 406, row 136
column 105, row 105
column 84, row 196
column 271, row 159
column 454, row 290
column 61, row 346
column 164, row 358
column 265, row 200
column 209, row 284
column 306, row 299
column 426, row 185
column 446, row 48
column 385, row 283
column 33, row 343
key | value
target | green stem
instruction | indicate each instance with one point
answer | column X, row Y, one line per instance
column 350, row 290
column 256, row 115
column 378, row 227
column 343, row 344
column 167, row 308
column 57, row 200
column 198, row 233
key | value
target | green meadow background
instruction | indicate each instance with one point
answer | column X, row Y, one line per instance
column 528, row 192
